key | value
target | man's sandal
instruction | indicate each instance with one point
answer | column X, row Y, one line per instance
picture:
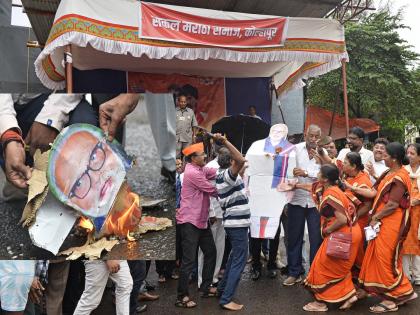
column 185, row 303
column 209, row 294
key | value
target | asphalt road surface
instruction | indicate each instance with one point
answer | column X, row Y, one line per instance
column 265, row 296
column 144, row 179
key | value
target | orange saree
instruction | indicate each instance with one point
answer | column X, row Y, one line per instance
column 382, row 273
column 330, row 278
column 361, row 180
column 412, row 242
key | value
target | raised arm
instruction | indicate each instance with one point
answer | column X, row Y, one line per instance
column 238, row 159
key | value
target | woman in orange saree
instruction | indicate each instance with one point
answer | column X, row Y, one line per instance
column 355, row 176
column 329, row 278
column 411, row 248
column 382, row 273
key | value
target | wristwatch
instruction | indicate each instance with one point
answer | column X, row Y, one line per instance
column 306, row 173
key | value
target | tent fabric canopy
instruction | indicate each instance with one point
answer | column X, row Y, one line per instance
column 322, row 117
column 105, row 34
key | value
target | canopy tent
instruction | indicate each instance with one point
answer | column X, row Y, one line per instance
column 105, row 35
column 322, row 117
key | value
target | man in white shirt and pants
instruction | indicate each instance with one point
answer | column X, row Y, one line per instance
column 302, row 208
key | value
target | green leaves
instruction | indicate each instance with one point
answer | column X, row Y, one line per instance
column 382, row 82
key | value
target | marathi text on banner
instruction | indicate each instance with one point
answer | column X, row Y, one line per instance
column 158, row 22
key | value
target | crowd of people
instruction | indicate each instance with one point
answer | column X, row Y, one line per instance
column 361, row 209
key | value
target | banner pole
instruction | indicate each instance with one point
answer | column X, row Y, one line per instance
column 68, row 60
column 346, row 105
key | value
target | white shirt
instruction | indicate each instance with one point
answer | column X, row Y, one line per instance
column 379, row 168
column 215, row 210
column 302, row 197
column 365, row 154
column 55, row 112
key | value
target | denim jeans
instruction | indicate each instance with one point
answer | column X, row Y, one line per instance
column 296, row 228
column 238, row 237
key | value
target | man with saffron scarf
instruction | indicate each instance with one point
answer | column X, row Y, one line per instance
column 192, row 218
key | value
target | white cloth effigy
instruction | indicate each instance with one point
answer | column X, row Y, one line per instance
column 265, row 199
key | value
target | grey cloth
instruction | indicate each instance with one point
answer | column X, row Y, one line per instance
column 161, row 112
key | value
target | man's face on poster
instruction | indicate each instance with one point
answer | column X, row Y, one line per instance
column 93, row 177
column 278, row 132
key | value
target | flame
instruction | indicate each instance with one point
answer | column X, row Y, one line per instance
column 120, row 222
column 86, row 223
column 129, row 237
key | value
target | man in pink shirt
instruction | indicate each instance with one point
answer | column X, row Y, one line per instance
column 192, row 218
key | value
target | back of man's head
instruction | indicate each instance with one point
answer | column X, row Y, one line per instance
column 224, row 158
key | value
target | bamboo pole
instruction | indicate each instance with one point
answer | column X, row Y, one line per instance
column 68, row 60
column 346, row 105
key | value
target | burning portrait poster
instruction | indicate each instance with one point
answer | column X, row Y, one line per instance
column 87, row 172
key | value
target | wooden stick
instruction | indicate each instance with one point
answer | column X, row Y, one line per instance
column 68, row 60
column 346, row 105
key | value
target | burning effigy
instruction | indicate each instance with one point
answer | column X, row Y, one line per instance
column 81, row 179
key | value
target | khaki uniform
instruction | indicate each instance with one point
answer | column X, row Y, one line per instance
column 185, row 121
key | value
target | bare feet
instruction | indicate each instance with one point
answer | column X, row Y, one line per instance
column 349, row 303
column 232, row 306
column 315, row 307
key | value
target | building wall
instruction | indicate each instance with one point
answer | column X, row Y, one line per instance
column 292, row 105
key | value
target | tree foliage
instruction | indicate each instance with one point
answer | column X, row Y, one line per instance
column 382, row 83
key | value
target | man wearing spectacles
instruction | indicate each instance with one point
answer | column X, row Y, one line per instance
column 96, row 161
column 355, row 144
column 192, row 219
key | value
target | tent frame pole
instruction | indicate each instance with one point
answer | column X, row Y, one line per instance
column 336, row 103
column 68, row 60
column 346, row 105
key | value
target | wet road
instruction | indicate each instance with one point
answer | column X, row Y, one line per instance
column 144, row 179
column 265, row 296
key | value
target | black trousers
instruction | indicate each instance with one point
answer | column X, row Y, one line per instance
column 138, row 273
column 256, row 244
column 165, row 267
column 192, row 238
